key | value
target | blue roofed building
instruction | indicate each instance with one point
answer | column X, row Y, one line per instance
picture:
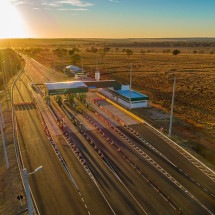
column 128, row 98
column 75, row 71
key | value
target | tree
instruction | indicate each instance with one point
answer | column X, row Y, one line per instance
column 60, row 52
column 142, row 51
column 129, row 52
column 75, row 59
column 107, row 49
column 92, row 50
column 176, row 52
column 73, row 51
column 102, row 53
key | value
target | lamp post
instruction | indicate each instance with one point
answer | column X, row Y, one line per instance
column 3, row 140
column 130, row 93
column 27, row 188
column 172, row 107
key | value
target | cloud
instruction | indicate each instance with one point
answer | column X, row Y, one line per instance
column 77, row 3
column 73, row 9
column 18, row 2
column 50, row 4
column 115, row 1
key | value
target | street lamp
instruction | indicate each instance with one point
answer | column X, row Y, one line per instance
column 130, row 93
column 3, row 140
column 27, row 188
column 172, row 107
column 36, row 170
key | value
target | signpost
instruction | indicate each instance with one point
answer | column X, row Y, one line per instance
column 20, row 197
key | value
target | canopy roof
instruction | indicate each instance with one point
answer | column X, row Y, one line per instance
column 66, row 87
column 79, row 86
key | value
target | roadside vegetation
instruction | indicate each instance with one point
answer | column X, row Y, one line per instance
column 10, row 63
column 10, row 181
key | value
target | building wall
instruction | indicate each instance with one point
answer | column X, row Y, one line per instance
column 124, row 103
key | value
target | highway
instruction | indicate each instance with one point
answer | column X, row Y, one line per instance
column 102, row 161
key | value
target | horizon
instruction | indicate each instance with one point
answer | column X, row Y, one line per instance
column 110, row 38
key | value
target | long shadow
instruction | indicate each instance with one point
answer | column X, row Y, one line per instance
column 107, row 153
column 101, row 176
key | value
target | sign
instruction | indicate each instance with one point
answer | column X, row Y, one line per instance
column 20, row 197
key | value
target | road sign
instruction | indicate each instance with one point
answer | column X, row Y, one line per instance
column 20, row 197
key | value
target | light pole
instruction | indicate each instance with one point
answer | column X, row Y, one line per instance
column 27, row 188
column 130, row 93
column 1, row 116
column 3, row 141
column 172, row 106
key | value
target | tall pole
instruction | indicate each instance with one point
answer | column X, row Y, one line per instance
column 11, row 69
column 54, row 66
column 5, row 83
column 4, row 144
column 1, row 116
column 130, row 86
column 27, row 190
column 2, row 66
column 172, row 106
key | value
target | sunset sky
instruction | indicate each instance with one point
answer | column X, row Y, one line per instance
column 107, row 18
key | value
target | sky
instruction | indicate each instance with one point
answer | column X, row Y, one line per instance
column 107, row 18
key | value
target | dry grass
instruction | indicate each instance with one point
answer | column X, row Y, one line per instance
column 153, row 71
column 194, row 126
column 10, row 181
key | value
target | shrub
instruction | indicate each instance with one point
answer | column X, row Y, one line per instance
column 176, row 52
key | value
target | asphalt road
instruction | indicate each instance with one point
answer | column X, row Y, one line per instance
column 123, row 181
column 51, row 187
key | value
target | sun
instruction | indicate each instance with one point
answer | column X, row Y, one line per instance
column 11, row 23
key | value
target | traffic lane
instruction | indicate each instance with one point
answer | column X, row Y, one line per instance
column 165, row 185
column 180, row 156
column 108, row 183
column 89, row 191
column 52, row 75
column 51, row 184
column 204, row 196
column 178, row 159
column 132, row 179
column 127, row 148
column 18, row 97
column 116, row 194
column 123, row 205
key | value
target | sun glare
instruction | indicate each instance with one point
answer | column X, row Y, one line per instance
column 11, row 22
